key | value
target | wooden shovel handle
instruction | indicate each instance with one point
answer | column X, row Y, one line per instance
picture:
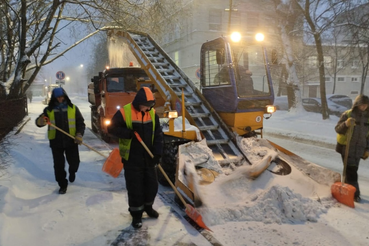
column 66, row 133
column 161, row 170
column 143, row 144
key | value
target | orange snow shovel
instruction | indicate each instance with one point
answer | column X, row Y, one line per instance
column 190, row 211
column 344, row 193
column 113, row 164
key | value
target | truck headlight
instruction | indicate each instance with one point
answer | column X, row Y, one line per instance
column 270, row 109
column 172, row 114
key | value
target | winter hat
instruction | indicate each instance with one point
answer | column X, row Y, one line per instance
column 360, row 100
column 58, row 92
column 144, row 97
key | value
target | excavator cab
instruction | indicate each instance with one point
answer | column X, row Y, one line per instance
column 236, row 81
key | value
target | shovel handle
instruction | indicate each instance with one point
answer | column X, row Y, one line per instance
column 349, row 132
column 66, row 133
column 143, row 144
column 161, row 169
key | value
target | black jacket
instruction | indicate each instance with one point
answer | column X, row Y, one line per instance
column 359, row 141
column 61, row 140
column 138, row 155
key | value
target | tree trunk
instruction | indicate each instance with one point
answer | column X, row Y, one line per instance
column 323, row 96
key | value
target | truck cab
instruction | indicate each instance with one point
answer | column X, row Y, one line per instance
column 108, row 92
column 236, row 81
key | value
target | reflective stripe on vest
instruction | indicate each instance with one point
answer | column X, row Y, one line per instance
column 125, row 144
column 341, row 138
column 71, row 112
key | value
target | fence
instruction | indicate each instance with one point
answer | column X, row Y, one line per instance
column 11, row 113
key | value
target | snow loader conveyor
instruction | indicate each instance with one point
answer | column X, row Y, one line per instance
column 228, row 118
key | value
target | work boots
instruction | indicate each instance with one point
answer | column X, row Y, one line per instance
column 151, row 212
column 136, row 219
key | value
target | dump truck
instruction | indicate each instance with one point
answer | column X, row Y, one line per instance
column 108, row 91
column 236, row 95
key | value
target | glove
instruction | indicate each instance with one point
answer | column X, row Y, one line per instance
column 78, row 138
column 156, row 159
column 350, row 122
column 41, row 121
column 366, row 155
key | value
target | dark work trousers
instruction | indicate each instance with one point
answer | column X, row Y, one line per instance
column 142, row 186
column 351, row 178
column 351, row 174
column 72, row 155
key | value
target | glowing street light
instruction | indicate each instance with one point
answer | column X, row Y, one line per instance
column 236, row 37
column 259, row 37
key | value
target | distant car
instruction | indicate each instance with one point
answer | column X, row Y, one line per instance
column 313, row 104
column 341, row 100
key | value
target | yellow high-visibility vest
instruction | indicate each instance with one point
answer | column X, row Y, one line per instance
column 71, row 112
column 125, row 144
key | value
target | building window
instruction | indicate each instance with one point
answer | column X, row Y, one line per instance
column 340, row 64
column 327, row 61
column 341, row 79
column 355, row 64
column 327, row 79
column 312, row 61
column 215, row 19
column 354, row 92
column 354, row 79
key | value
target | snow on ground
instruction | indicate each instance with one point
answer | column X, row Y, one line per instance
column 270, row 210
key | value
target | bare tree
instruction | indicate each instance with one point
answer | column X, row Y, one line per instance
column 356, row 23
column 31, row 31
column 338, row 51
column 288, row 21
column 319, row 16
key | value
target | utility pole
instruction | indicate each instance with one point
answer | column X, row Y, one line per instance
column 230, row 16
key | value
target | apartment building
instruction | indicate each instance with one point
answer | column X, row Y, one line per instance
column 201, row 21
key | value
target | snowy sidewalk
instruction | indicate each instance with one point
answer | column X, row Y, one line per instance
column 94, row 211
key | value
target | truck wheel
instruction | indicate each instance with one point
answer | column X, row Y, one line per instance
column 168, row 163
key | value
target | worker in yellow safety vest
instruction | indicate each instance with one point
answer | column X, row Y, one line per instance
column 358, row 118
column 139, row 168
column 62, row 113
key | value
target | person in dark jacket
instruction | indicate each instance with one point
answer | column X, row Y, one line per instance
column 139, row 168
column 358, row 116
column 66, row 116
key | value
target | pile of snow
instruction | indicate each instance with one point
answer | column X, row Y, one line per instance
column 234, row 196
